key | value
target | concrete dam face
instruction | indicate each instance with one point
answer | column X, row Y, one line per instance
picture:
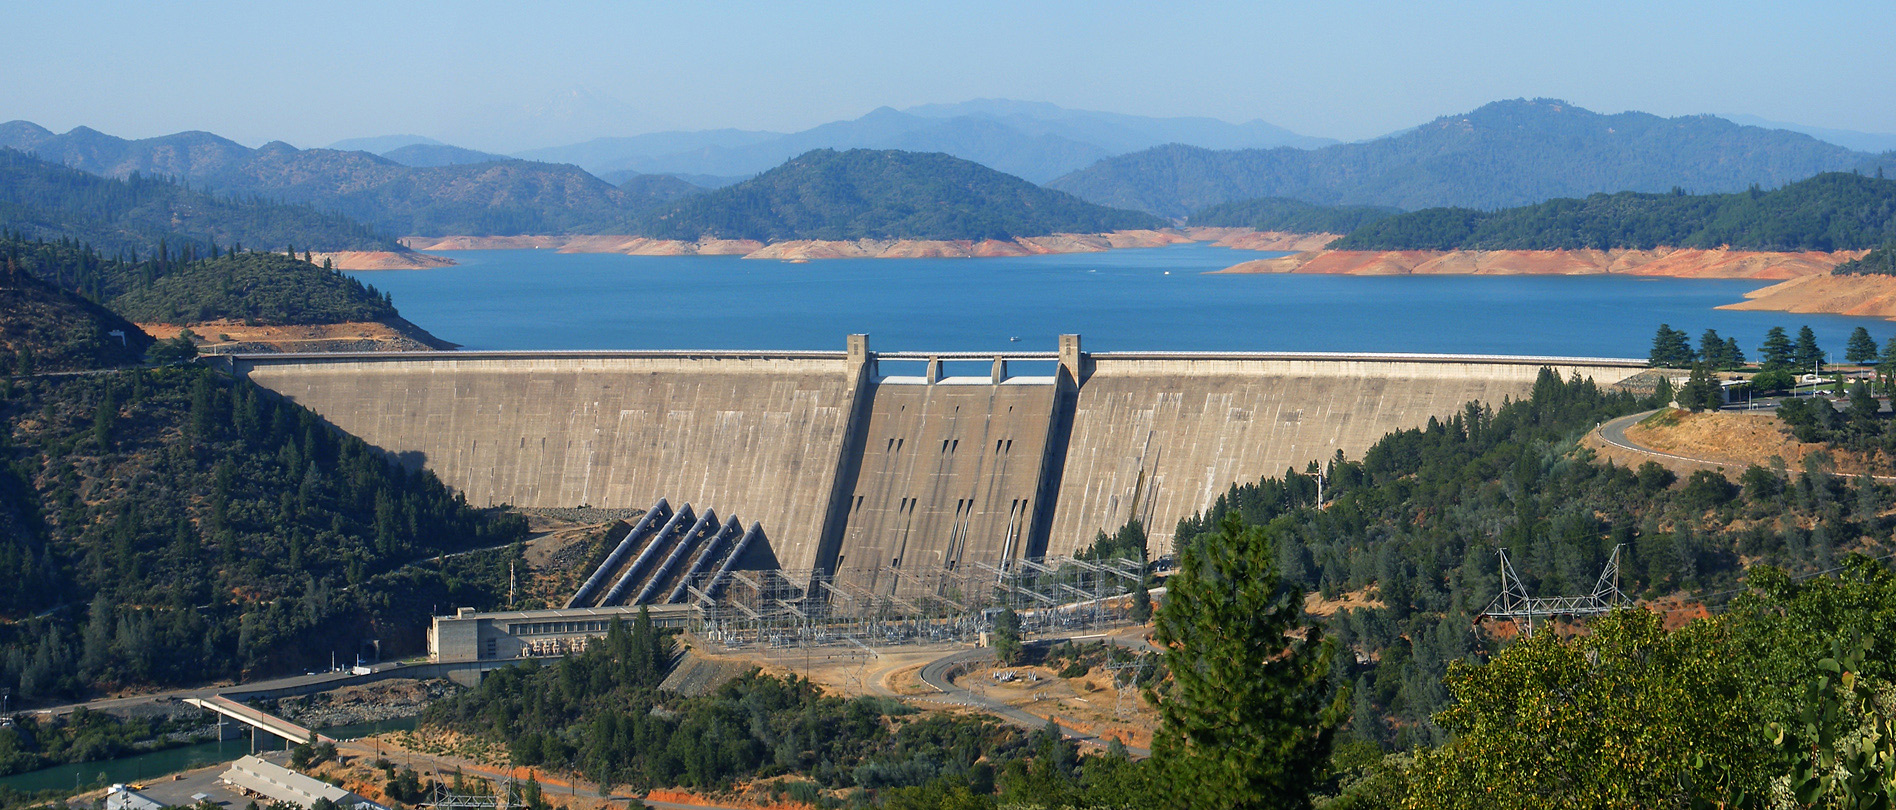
column 878, row 478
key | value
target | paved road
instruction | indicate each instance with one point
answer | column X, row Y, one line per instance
column 935, row 675
column 1614, row 433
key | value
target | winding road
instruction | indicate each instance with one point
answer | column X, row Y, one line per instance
column 936, row 675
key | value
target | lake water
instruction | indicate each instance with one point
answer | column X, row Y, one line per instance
column 1147, row 299
column 143, row 767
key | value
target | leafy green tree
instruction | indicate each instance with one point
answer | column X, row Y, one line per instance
column 1630, row 716
column 1806, row 354
column 1251, row 714
column 1773, row 380
column 1861, row 347
column 1777, row 351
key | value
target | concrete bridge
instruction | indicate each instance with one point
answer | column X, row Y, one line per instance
column 864, row 472
column 232, row 710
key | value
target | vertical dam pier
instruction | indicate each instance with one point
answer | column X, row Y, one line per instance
column 870, row 475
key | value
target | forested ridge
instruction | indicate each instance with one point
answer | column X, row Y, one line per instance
column 164, row 526
column 1832, row 211
column 192, row 285
column 886, row 194
column 133, row 215
column 45, row 328
column 1290, row 216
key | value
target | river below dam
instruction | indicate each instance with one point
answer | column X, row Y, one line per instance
column 153, row 764
column 1143, row 299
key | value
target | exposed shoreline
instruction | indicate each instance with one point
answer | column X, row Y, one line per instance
column 381, row 260
column 235, row 337
column 1805, row 283
column 812, row 249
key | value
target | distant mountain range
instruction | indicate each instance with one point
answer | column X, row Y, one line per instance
column 1036, row 141
column 1506, row 153
column 134, row 215
column 884, row 194
column 435, row 192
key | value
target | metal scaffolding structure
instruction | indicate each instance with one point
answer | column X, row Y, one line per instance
column 776, row 608
column 1514, row 603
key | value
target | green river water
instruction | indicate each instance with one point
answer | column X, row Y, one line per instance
column 147, row 766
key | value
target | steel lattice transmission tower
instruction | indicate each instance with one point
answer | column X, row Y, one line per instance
column 1515, row 604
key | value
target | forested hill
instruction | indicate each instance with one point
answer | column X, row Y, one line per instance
column 1503, row 154
column 886, row 194
column 441, row 195
column 268, row 289
column 1833, row 211
column 44, row 328
column 1290, row 216
column 165, row 526
column 134, row 215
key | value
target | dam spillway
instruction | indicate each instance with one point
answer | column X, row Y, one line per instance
column 869, row 475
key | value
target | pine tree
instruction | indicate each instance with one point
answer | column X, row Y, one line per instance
column 1734, row 355
column 1701, row 391
column 1806, row 356
column 1861, row 348
column 1712, row 350
column 1670, row 348
column 1776, row 353
column 1249, row 720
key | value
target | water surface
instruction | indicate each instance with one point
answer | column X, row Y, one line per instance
column 1150, row 299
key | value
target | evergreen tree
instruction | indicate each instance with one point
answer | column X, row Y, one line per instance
column 1776, row 353
column 1250, row 717
column 1006, row 641
column 1701, row 391
column 1712, row 350
column 1734, row 355
column 1861, row 348
column 1671, row 348
column 1806, row 356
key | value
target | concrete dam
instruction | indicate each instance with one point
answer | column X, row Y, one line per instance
column 869, row 474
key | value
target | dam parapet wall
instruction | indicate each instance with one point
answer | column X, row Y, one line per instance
column 868, row 475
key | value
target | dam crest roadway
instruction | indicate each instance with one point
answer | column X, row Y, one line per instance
column 864, row 464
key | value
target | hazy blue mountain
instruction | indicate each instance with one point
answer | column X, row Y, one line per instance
column 606, row 156
column 1030, row 140
column 1860, row 141
column 1119, row 133
column 438, row 154
column 1506, row 153
column 884, row 194
column 489, row 198
column 655, row 189
column 700, row 180
column 40, row 199
column 382, row 144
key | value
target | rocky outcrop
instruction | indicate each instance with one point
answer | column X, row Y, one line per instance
column 1676, row 263
column 1869, row 296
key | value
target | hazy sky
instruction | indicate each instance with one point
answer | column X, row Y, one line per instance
column 493, row 75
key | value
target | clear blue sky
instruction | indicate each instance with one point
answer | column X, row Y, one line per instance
column 314, row 72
